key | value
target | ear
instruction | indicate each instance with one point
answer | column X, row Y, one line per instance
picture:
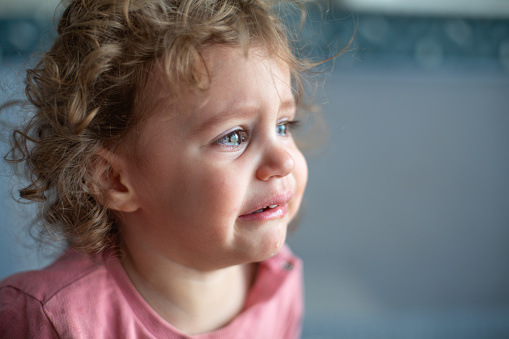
column 111, row 184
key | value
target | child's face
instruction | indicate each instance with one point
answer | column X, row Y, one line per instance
column 200, row 167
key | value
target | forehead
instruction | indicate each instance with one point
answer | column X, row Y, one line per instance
column 235, row 76
column 227, row 75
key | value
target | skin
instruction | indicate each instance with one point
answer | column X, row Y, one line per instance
column 184, row 187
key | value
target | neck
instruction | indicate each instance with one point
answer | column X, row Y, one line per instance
column 191, row 300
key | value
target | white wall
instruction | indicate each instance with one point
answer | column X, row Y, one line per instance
column 475, row 8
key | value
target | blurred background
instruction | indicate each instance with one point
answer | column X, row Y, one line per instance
column 405, row 226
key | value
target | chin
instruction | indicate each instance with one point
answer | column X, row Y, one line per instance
column 273, row 245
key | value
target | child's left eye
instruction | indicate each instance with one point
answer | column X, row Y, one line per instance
column 283, row 128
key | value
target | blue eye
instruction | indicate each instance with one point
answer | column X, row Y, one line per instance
column 283, row 128
column 233, row 139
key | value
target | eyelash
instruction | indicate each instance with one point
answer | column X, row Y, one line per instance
column 240, row 136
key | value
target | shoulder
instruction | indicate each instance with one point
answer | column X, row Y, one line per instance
column 38, row 303
column 43, row 284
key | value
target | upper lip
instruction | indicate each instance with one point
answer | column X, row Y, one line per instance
column 272, row 199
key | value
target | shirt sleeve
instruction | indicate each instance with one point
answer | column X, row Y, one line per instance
column 22, row 316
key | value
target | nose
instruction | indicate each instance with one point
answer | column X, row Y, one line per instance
column 276, row 162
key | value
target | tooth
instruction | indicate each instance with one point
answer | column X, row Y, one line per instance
column 272, row 206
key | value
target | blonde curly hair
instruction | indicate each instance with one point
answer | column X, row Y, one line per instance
column 86, row 86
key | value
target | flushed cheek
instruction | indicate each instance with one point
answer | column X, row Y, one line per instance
column 225, row 204
column 221, row 193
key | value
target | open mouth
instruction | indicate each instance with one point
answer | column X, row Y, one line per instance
column 274, row 207
column 264, row 209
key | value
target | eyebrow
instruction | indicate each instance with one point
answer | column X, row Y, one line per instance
column 237, row 112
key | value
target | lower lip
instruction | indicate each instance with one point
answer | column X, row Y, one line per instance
column 269, row 214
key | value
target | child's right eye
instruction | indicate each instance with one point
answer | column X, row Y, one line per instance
column 233, row 139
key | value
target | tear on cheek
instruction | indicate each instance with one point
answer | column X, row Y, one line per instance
column 280, row 236
column 278, row 240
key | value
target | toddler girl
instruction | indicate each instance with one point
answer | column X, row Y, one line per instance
column 161, row 150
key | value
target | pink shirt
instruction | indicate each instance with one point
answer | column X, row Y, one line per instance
column 82, row 297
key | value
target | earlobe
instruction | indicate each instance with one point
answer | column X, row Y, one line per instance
column 112, row 187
